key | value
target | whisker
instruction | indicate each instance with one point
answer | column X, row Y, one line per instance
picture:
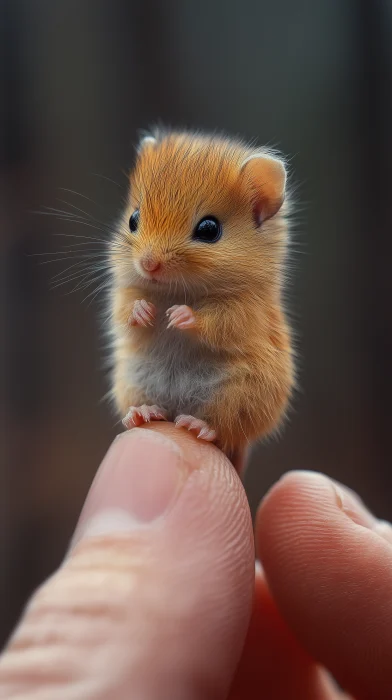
column 104, row 177
column 74, row 235
column 73, row 218
column 94, row 295
column 82, row 253
column 93, row 226
column 89, row 216
column 84, row 277
column 76, row 289
column 86, row 243
column 59, row 213
column 78, row 194
column 70, row 257
column 73, row 206
column 109, row 244
column 68, row 280
column 78, row 270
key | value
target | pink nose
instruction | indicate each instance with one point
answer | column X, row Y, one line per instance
column 149, row 263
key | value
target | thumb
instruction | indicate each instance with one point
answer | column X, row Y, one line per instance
column 153, row 600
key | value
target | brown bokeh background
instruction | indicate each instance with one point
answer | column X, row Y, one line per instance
column 78, row 80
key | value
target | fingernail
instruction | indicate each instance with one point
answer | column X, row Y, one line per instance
column 138, row 482
column 352, row 506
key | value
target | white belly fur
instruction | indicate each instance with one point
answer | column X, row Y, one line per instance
column 177, row 373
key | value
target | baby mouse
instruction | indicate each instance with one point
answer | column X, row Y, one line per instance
column 197, row 265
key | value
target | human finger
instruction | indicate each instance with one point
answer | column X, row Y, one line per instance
column 154, row 598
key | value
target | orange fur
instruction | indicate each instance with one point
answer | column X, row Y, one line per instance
column 234, row 286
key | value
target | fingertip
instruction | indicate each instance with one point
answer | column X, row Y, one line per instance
column 197, row 452
column 297, row 494
column 143, row 469
column 314, row 495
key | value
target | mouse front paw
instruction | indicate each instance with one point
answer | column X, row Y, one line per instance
column 181, row 317
column 143, row 313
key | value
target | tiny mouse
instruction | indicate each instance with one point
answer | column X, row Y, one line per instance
column 199, row 333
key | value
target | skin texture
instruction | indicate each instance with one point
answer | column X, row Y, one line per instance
column 154, row 597
column 224, row 299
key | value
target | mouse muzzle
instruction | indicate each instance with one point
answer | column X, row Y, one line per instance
column 151, row 265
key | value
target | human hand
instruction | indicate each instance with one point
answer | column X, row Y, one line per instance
column 153, row 599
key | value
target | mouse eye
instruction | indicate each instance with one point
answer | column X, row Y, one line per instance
column 208, row 230
column 134, row 221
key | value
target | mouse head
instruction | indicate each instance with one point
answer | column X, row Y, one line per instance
column 204, row 214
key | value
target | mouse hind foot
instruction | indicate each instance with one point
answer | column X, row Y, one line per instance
column 137, row 415
column 238, row 457
column 197, row 426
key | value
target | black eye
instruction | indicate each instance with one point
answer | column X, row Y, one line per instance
column 208, row 230
column 134, row 221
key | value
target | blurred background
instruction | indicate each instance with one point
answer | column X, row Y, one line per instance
column 78, row 80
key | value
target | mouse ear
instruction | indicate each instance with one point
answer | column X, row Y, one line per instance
column 146, row 142
column 266, row 177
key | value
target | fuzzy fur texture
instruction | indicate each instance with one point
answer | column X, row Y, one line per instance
column 234, row 367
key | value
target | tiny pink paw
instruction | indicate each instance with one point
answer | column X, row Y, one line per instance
column 143, row 313
column 137, row 415
column 196, row 425
column 181, row 317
